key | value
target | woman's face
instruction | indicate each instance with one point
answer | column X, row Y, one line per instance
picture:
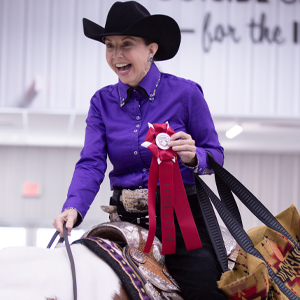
column 128, row 56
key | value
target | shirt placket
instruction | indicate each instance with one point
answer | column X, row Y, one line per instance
column 136, row 130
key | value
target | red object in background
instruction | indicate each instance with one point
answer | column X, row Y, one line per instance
column 31, row 189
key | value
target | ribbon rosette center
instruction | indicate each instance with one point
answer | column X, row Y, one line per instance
column 165, row 169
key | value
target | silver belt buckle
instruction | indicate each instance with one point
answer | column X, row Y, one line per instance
column 135, row 201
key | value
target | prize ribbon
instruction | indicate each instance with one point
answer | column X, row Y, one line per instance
column 164, row 167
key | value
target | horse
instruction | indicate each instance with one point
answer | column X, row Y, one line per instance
column 45, row 274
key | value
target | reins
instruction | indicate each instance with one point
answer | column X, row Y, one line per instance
column 71, row 259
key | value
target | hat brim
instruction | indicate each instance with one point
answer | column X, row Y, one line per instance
column 160, row 29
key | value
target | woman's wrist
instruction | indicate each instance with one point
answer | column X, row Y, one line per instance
column 79, row 216
column 193, row 164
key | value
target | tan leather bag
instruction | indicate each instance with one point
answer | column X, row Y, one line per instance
column 250, row 279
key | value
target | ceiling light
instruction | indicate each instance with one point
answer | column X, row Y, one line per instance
column 234, row 131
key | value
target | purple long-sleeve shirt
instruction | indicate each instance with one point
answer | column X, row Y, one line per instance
column 117, row 126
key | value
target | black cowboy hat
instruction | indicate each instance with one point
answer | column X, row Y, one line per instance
column 132, row 19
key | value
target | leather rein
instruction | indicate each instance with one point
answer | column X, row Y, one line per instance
column 71, row 259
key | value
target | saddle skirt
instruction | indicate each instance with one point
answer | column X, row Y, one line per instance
column 128, row 240
column 125, row 243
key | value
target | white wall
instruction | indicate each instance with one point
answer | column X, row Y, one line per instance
column 247, row 78
column 52, row 168
column 43, row 42
column 273, row 178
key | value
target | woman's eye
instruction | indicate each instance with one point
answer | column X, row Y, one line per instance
column 109, row 46
column 127, row 44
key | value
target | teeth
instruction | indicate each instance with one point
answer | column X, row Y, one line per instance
column 121, row 65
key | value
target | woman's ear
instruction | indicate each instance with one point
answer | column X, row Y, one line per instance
column 153, row 47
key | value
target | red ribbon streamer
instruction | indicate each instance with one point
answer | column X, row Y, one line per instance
column 172, row 196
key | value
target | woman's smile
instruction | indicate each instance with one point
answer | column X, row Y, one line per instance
column 123, row 69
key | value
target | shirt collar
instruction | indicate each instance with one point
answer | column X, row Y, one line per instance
column 149, row 83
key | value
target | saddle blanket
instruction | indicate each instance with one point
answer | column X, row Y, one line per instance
column 112, row 254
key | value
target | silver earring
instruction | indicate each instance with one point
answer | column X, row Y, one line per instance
column 150, row 58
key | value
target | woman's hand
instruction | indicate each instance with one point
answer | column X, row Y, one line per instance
column 184, row 145
column 69, row 216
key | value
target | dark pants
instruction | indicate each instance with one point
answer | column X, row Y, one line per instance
column 196, row 271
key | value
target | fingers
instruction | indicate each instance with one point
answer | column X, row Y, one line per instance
column 182, row 142
column 69, row 217
column 181, row 135
column 184, row 145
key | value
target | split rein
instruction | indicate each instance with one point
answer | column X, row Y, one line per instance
column 71, row 259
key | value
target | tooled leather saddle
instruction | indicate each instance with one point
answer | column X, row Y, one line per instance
column 149, row 268
column 125, row 242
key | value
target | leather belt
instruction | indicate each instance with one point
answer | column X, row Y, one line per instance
column 190, row 189
column 140, row 218
column 136, row 220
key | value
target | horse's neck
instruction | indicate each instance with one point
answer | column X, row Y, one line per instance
column 36, row 273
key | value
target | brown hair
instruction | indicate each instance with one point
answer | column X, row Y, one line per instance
column 147, row 43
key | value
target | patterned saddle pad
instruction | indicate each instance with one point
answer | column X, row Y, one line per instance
column 144, row 275
column 137, row 286
column 112, row 254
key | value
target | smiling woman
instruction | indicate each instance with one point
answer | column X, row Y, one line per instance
column 129, row 57
column 117, row 125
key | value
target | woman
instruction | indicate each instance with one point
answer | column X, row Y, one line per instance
column 117, row 124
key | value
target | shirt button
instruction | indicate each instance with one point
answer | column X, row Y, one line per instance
column 135, row 130
column 135, row 152
column 137, row 117
column 144, row 170
column 138, row 125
